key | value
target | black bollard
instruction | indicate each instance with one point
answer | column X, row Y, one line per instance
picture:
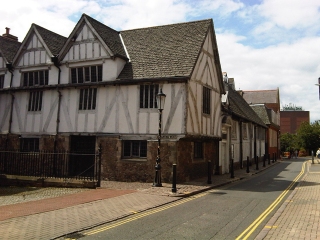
column 248, row 165
column 257, row 163
column 232, row 169
column 174, row 178
column 268, row 158
column 209, row 172
column 264, row 160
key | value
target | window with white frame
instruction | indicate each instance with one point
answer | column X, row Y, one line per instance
column 86, row 74
column 87, row 99
column 148, row 95
column 1, row 81
column 35, row 78
column 35, row 101
column 134, row 149
column 206, row 100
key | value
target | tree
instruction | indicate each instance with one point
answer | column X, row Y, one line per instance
column 288, row 142
column 309, row 136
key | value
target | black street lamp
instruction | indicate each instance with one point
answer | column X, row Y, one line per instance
column 161, row 97
column 318, row 84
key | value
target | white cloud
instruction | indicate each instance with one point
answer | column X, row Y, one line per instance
column 290, row 60
column 294, row 68
column 291, row 13
column 223, row 7
column 129, row 14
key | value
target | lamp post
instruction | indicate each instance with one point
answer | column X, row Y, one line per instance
column 161, row 97
column 318, row 84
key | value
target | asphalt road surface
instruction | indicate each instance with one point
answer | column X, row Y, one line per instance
column 239, row 210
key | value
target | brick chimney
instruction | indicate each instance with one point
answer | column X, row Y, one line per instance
column 9, row 36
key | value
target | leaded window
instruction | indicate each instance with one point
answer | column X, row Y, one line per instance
column 29, row 144
column 148, row 95
column 87, row 99
column 198, row 150
column 35, row 101
column 206, row 100
column 35, row 78
column 86, row 74
column 134, row 149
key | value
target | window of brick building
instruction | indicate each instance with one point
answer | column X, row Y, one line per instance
column 29, row 144
column 134, row 149
column 198, row 150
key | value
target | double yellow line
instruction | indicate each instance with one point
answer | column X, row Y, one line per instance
column 246, row 233
column 144, row 214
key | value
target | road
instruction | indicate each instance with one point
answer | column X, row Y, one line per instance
column 223, row 213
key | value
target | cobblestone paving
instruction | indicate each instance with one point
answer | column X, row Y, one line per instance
column 13, row 195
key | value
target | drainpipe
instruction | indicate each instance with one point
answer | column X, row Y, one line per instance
column 241, row 145
column 56, row 62
column 10, row 69
column 255, row 142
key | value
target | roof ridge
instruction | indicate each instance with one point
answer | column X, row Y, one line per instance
column 43, row 28
column 98, row 22
column 166, row 25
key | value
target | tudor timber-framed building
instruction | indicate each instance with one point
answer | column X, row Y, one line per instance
column 97, row 87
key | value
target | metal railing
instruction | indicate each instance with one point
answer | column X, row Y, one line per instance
column 46, row 164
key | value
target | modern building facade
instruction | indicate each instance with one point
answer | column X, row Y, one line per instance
column 291, row 117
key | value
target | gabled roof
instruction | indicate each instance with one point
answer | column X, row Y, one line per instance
column 241, row 109
column 51, row 41
column 261, row 96
column 164, row 51
column 108, row 36
column 262, row 112
column 8, row 48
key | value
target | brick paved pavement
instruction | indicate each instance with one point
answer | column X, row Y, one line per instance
column 54, row 217
column 299, row 216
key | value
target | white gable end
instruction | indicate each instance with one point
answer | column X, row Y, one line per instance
column 86, row 47
column 35, row 53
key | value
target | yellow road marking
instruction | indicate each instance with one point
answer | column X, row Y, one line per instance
column 144, row 214
column 270, row 226
column 258, row 221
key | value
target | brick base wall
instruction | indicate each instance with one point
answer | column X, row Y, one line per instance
column 113, row 167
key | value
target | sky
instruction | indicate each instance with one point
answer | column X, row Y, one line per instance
column 263, row 44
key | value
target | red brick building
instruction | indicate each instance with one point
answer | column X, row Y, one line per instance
column 290, row 120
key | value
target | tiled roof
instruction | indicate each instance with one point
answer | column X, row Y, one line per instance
column 241, row 108
column 8, row 48
column 261, row 96
column 164, row 51
column 261, row 111
column 110, row 36
column 53, row 40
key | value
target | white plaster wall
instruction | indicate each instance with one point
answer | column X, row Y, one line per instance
column 5, row 105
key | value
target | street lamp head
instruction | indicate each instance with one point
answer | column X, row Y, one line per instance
column 161, row 97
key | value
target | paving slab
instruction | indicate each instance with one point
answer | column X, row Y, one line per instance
column 56, row 216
